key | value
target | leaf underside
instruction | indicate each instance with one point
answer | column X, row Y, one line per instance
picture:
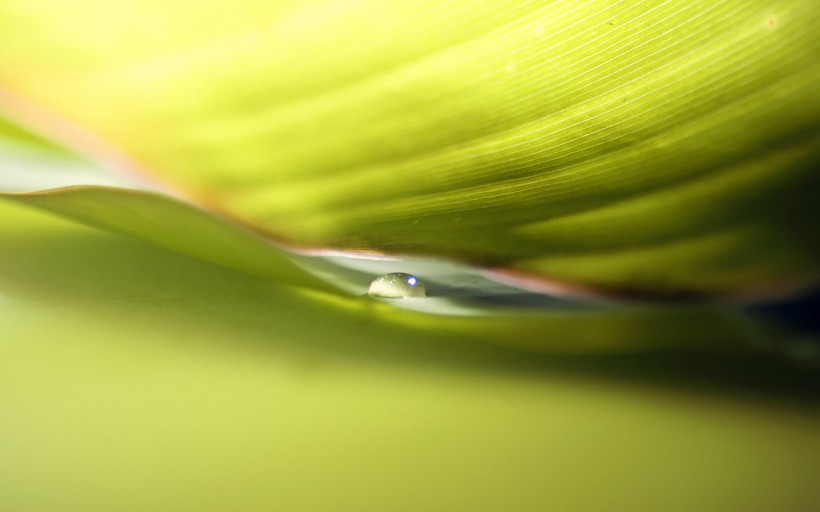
column 652, row 147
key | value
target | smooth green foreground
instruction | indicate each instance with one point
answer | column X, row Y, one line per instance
column 132, row 378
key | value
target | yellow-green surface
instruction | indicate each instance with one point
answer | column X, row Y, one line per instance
column 658, row 147
column 170, row 223
column 135, row 379
column 652, row 146
column 183, row 228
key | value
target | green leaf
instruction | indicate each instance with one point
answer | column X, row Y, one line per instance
column 651, row 147
column 175, row 225
column 135, row 379
column 187, row 230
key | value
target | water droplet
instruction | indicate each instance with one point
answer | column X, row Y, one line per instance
column 396, row 286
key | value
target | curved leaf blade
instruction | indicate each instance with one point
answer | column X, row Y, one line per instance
column 653, row 147
column 146, row 217
column 195, row 375
column 176, row 225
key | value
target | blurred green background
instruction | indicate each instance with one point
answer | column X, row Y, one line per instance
column 132, row 378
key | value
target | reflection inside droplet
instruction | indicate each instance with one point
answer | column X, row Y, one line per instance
column 396, row 286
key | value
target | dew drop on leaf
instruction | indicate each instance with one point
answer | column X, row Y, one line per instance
column 397, row 285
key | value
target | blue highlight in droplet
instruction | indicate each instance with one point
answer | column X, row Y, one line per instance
column 397, row 285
